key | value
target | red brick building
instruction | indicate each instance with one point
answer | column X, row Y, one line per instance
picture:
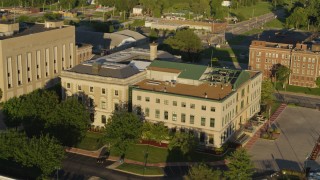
column 303, row 60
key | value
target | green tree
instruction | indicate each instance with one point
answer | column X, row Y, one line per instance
column 184, row 142
column 282, row 74
column 155, row 131
column 202, row 171
column 71, row 118
column 122, row 130
column 267, row 91
column 239, row 165
column 44, row 152
column 297, row 18
column 153, row 36
column 189, row 47
column 317, row 82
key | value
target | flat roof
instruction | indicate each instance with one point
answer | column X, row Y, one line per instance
column 205, row 90
column 188, row 71
column 31, row 29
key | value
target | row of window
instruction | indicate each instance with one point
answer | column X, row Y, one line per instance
column 91, row 89
column 183, row 117
column 175, row 103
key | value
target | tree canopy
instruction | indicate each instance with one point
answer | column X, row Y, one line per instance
column 40, row 112
column 267, row 91
column 282, row 74
column 240, row 166
column 43, row 152
column 202, row 171
column 156, row 132
column 184, row 142
column 187, row 43
column 122, row 130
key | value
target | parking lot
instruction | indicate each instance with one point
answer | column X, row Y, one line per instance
column 300, row 128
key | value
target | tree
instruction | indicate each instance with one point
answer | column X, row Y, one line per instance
column 317, row 82
column 298, row 17
column 71, row 118
column 240, row 166
column 44, row 152
column 282, row 74
column 156, row 132
column 202, row 171
column 122, row 130
column 153, row 36
column 267, row 91
column 184, row 142
column 187, row 42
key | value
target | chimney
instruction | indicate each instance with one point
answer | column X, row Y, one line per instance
column 153, row 51
column 96, row 68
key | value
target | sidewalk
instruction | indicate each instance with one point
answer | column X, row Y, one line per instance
column 257, row 134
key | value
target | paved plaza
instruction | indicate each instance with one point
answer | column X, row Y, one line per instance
column 300, row 128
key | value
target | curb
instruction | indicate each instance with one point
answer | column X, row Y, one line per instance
column 128, row 172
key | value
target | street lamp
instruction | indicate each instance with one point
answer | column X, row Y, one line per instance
column 57, row 172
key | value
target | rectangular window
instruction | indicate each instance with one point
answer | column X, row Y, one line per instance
column 203, row 107
column 191, row 119
column 212, row 121
column 174, row 116
column 147, row 112
column 166, row 115
column 91, row 89
column 116, row 92
column 103, row 91
column 103, row 105
column 103, row 119
column 174, row 103
column 157, row 100
column 183, row 117
column 166, row 102
column 68, row 85
column 157, row 113
column 147, row 99
column 203, row 121
column 213, row 109
column 139, row 98
column 38, row 64
column 183, row 104
column 79, row 88
column 192, row 106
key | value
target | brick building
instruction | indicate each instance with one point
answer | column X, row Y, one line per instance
column 302, row 59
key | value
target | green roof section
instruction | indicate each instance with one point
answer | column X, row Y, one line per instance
column 188, row 71
column 242, row 78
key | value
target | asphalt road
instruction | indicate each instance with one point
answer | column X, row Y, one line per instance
column 77, row 167
column 299, row 99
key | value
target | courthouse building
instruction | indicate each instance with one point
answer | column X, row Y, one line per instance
column 33, row 56
column 210, row 102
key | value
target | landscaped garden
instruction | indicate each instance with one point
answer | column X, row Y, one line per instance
column 225, row 54
column 299, row 89
column 92, row 141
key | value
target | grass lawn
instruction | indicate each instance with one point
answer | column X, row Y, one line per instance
column 223, row 54
column 257, row 10
column 157, row 155
column 275, row 23
column 138, row 169
column 91, row 141
column 298, row 89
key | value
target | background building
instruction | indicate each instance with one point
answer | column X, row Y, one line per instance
column 101, row 85
column 302, row 59
column 210, row 102
column 32, row 57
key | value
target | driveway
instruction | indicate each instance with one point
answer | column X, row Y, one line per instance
column 300, row 128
